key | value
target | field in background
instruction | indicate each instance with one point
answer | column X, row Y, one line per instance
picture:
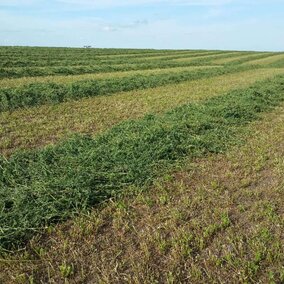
column 141, row 166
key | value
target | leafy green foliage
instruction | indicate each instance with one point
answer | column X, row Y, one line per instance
column 41, row 187
column 49, row 93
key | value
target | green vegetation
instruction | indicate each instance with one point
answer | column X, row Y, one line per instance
column 45, row 93
column 177, row 230
column 17, row 72
column 114, row 64
column 77, row 70
column 99, row 60
column 173, row 179
column 39, row 126
column 252, row 58
column 65, row 79
column 234, row 59
column 51, row 184
column 268, row 60
column 91, row 62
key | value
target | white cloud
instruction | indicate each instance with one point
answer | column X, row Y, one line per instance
column 218, row 25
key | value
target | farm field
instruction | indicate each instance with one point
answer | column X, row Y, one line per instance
column 141, row 166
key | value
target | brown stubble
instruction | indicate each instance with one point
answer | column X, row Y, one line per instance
column 217, row 220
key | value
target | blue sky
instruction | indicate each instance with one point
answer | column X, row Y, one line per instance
column 176, row 24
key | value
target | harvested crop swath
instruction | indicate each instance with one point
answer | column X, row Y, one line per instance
column 76, row 70
column 41, row 187
column 201, row 59
column 233, row 59
column 251, row 58
column 65, row 79
column 62, row 54
column 51, row 93
column 67, row 52
column 115, row 65
column 268, row 60
column 35, row 127
column 98, row 60
column 278, row 64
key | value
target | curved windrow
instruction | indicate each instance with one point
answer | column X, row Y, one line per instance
column 40, row 187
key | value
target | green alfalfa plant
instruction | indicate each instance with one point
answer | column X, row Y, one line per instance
column 42, row 187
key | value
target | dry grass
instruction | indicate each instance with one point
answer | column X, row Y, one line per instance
column 216, row 219
column 39, row 126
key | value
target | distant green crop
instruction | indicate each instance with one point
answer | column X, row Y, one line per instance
column 250, row 58
column 99, row 60
column 29, row 71
column 41, row 187
column 74, row 67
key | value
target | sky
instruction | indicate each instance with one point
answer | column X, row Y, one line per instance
column 159, row 24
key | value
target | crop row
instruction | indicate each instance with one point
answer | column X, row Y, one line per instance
column 268, row 61
column 36, row 94
column 235, row 58
column 104, row 68
column 279, row 64
column 25, row 62
column 65, row 79
column 40, row 187
column 251, row 58
column 67, row 51
column 52, row 55
column 85, row 56
column 77, row 70
column 40, row 126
